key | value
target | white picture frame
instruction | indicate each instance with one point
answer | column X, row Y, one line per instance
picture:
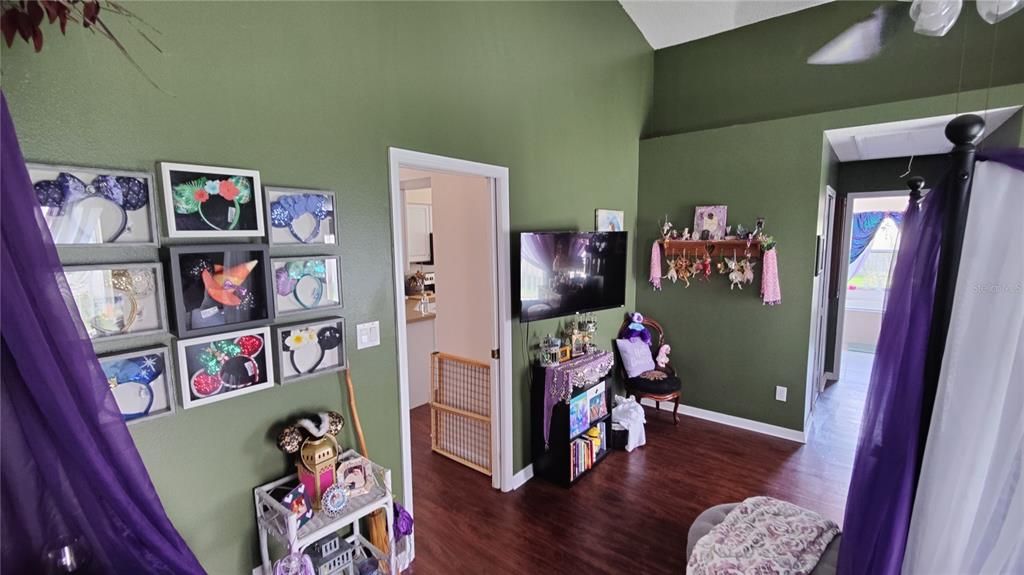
column 163, row 399
column 609, row 221
column 172, row 174
column 331, row 297
column 133, row 219
column 327, row 229
column 189, row 349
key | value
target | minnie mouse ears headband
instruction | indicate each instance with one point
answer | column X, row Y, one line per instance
column 142, row 370
column 65, row 192
column 291, row 437
column 288, row 208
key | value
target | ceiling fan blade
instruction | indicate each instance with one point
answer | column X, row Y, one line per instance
column 858, row 43
column 935, row 17
column 993, row 11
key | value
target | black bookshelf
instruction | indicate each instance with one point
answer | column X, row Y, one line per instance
column 555, row 462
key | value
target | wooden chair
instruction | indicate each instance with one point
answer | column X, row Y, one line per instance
column 657, row 390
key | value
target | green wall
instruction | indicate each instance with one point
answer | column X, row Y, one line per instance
column 732, row 350
column 759, row 72
column 312, row 94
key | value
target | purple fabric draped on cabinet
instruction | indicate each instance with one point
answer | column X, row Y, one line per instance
column 881, row 491
column 70, row 468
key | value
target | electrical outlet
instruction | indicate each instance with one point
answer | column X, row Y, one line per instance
column 780, row 393
column 368, row 335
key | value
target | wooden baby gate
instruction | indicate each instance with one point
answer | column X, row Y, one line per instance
column 460, row 410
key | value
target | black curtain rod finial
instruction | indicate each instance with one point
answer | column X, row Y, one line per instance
column 965, row 129
column 916, row 183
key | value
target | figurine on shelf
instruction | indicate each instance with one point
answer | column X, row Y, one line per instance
column 662, row 359
column 318, row 451
column 686, row 235
column 549, row 350
column 666, row 228
column 741, row 232
column 636, row 330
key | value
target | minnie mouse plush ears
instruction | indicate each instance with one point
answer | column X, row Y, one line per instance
column 291, row 437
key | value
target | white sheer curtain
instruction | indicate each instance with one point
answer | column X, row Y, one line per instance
column 969, row 511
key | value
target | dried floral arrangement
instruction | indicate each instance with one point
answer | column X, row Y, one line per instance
column 25, row 18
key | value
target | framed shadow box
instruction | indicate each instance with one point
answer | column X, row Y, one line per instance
column 141, row 383
column 310, row 348
column 118, row 301
column 218, row 367
column 211, row 202
column 306, row 283
column 96, row 206
column 300, row 217
column 220, row 287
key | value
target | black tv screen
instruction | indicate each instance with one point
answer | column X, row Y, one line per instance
column 562, row 273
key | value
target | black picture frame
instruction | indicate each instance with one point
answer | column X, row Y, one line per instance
column 198, row 311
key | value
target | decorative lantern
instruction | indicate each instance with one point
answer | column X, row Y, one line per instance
column 317, row 450
column 549, row 351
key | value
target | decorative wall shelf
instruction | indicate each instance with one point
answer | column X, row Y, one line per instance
column 714, row 248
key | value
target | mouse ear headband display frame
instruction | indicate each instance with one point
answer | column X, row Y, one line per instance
column 194, row 196
column 140, row 383
column 288, row 205
column 222, row 366
column 62, row 199
column 114, row 312
column 306, row 283
column 304, row 347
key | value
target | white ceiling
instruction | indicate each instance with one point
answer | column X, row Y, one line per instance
column 669, row 22
column 920, row 137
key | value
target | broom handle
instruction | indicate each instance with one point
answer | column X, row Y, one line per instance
column 355, row 413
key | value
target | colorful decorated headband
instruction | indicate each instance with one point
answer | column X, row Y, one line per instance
column 226, row 286
column 287, row 278
column 189, row 197
column 227, row 363
column 129, row 284
column 326, row 338
column 129, row 381
column 291, row 438
column 288, row 208
column 67, row 191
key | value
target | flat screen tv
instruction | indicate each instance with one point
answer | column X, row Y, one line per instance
column 562, row 273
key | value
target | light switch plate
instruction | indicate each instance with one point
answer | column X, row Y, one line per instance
column 780, row 393
column 368, row 335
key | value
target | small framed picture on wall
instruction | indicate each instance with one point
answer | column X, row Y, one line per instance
column 301, row 217
column 141, row 383
column 222, row 366
column 710, row 219
column 211, row 202
column 118, row 301
column 220, row 286
column 96, row 206
column 609, row 220
column 307, row 283
column 306, row 349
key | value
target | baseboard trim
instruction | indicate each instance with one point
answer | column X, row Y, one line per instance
column 524, row 475
column 733, row 421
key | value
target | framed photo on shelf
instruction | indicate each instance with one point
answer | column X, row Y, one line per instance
column 222, row 366
column 117, row 301
column 710, row 219
column 220, row 286
column 96, row 206
column 306, row 283
column 141, row 383
column 211, row 202
column 301, row 217
column 355, row 474
column 609, row 220
column 307, row 349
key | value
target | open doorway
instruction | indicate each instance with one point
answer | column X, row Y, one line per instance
column 453, row 323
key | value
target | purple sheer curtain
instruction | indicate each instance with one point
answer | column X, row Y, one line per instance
column 70, row 469
column 881, row 492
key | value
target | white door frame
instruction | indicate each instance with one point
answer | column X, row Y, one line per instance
column 844, row 269
column 501, row 386
column 831, row 197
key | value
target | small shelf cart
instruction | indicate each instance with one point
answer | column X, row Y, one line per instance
column 274, row 520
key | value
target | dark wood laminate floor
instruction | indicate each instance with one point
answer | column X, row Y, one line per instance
column 632, row 514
